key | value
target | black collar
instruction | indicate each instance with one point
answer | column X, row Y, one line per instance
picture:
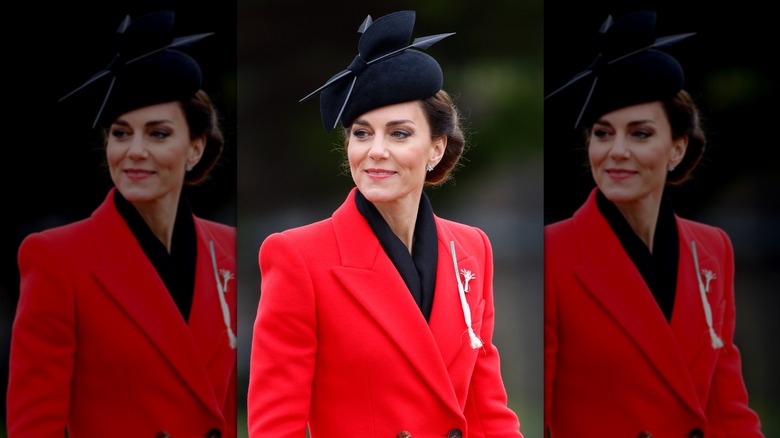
column 177, row 269
column 658, row 269
column 417, row 269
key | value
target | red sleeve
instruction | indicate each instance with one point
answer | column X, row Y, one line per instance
column 727, row 407
column 284, row 344
column 42, row 345
column 486, row 407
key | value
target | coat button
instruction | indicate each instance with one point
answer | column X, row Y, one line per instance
column 213, row 433
column 455, row 433
column 645, row 434
column 162, row 434
column 404, row 434
column 696, row 433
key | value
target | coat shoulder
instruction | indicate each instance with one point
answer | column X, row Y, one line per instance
column 74, row 235
column 706, row 233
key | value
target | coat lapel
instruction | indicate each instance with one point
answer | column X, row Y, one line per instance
column 688, row 321
column 369, row 276
column 447, row 323
column 131, row 280
column 207, row 324
column 614, row 282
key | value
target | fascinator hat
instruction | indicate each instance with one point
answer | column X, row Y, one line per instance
column 629, row 69
column 147, row 68
column 387, row 70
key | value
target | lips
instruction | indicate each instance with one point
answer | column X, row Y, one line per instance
column 137, row 174
column 380, row 173
column 620, row 172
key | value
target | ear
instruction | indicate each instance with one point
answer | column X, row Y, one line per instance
column 198, row 145
column 438, row 147
column 679, row 146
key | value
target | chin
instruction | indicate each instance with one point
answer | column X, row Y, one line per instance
column 618, row 196
column 379, row 195
column 137, row 196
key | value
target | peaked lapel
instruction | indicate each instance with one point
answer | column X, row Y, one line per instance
column 613, row 280
column 370, row 277
column 131, row 280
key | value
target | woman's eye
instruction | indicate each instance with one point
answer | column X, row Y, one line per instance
column 600, row 133
column 160, row 134
column 360, row 133
column 641, row 133
column 401, row 134
column 119, row 133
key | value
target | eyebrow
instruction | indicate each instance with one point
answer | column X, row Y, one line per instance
column 390, row 123
column 631, row 123
column 149, row 123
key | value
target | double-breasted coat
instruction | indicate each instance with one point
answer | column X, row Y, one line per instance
column 340, row 344
column 614, row 366
column 100, row 347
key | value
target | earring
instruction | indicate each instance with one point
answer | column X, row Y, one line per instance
column 670, row 168
column 188, row 167
column 429, row 167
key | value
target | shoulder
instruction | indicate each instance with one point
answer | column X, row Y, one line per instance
column 215, row 228
column 74, row 235
column 471, row 238
column 307, row 238
column 460, row 229
column 712, row 236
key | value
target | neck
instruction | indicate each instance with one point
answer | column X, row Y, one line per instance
column 642, row 216
column 401, row 216
column 160, row 216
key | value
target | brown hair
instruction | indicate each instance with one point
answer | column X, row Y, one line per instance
column 202, row 120
column 684, row 120
column 444, row 120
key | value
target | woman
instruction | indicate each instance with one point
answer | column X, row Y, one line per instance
column 639, row 302
column 378, row 321
column 126, row 321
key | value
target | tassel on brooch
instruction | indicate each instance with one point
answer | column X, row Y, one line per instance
column 221, row 290
column 717, row 342
column 474, row 340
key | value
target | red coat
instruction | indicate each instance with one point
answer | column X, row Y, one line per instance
column 340, row 344
column 614, row 366
column 100, row 346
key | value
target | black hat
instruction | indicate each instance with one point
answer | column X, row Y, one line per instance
column 628, row 70
column 386, row 71
column 145, row 69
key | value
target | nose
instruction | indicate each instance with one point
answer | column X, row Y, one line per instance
column 378, row 150
column 619, row 149
column 137, row 149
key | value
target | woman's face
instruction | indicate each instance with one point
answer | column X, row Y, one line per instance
column 630, row 150
column 388, row 151
column 148, row 150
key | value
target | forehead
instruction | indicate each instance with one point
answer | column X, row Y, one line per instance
column 650, row 112
column 411, row 111
column 168, row 111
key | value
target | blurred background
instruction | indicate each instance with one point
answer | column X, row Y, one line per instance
column 731, row 73
column 290, row 173
column 55, row 173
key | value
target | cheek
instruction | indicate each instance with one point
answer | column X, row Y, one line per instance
column 113, row 155
column 594, row 157
column 354, row 156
